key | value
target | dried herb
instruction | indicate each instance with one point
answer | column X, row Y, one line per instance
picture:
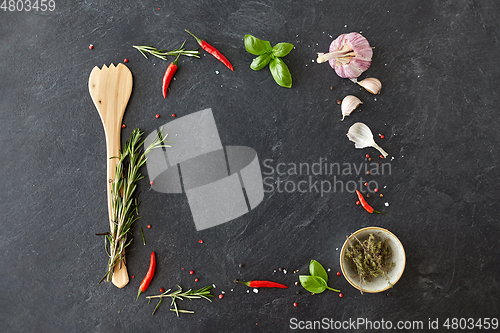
column 317, row 282
column 179, row 294
column 124, row 205
column 370, row 259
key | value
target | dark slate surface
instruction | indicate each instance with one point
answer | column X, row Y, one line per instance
column 438, row 111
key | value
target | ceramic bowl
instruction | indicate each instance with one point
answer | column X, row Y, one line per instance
column 379, row 283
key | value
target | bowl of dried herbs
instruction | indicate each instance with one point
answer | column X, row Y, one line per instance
column 372, row 259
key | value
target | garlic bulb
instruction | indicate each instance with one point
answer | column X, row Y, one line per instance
column 350, row 55
column 349, row 104
column 362, row 136
column 371, row 84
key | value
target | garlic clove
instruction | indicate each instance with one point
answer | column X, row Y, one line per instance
column 371, row 84
column 349, row 104
column 362, row 136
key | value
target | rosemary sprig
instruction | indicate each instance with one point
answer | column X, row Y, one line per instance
column 123, row 203
column 162, row 54
column 179, row 294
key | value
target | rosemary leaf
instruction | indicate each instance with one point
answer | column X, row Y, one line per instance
column 143, row 239
column 157, row 306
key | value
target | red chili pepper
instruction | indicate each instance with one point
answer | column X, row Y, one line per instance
column 149, row 276
column 213, row 51
column 365, row 204
column 169, row 74
column 261, row 284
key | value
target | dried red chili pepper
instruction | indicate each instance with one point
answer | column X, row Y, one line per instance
column 169, row 74
column 261, row 284
column 366, row 206
column 149, row 276
column 213, row 51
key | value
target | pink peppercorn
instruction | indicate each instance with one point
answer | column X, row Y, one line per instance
column 151, row 182
column 91, row 47
column 174, row 115
column 125, row 60
column 162, row 290
column 123, row 126
column 149, row 226
column 358, row 203
column 367, row 155
column 339, row 274
column 191, row 272
column 157, row 116
column 376, row 190
column 295, row 304
column 196, row 280
column 341, row 295
column 220, row 296
column 382, row 136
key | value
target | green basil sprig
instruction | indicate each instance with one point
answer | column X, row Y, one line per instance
column 317, row 282
column 271, row 56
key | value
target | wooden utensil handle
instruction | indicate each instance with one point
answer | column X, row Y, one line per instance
column 120, row 274
column 113, row 154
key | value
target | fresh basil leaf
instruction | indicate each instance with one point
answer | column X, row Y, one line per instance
column 256, row 46
column 316, row 269
column 261, row 61
column 280, row 73
column 313, row 284
column 282, row 49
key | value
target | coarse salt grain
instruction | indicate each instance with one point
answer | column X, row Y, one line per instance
column 386, row 204
column 255, row 290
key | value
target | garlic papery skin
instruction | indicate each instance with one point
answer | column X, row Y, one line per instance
column 350, row 55
column 362, row 136
column 371, row 84
column 349, row 104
